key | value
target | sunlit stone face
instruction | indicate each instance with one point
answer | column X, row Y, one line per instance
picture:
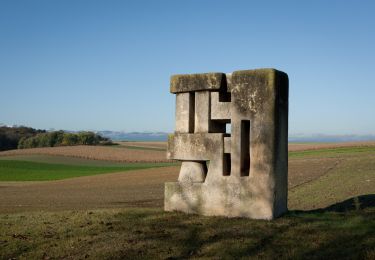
column 240, row 173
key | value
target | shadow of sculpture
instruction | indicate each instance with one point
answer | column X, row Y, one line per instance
column 353, row 204
column 343, row 230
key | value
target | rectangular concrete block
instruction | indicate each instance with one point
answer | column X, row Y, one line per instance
column 197, row 82
column 203, row 122
column 195, row 147
column 202, row 115
column 219, row 110
column 228, row 199
column 227, row 145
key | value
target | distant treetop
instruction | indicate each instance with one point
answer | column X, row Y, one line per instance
column 26, row 137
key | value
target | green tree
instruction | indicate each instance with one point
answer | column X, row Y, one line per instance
column 69, row 139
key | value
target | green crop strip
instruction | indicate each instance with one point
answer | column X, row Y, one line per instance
column 333, row 151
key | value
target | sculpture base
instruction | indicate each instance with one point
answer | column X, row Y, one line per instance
column 224, row 198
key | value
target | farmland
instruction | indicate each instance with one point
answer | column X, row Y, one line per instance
column 16, row 170
column 106, row 153
column 119, row 214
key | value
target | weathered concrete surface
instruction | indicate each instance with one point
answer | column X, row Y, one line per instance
column 193, row 172
column 219, row 110
column 196, row 82
column 247, row 173
column 203, row 122
column 185, row 112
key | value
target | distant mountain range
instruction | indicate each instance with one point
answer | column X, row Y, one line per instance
column 134, row 136
column 162, row 136
column 329, row 138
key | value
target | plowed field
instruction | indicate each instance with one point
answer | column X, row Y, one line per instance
column 107, row 153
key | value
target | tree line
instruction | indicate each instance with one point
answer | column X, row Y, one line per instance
column 27, row 137
column 10, row 136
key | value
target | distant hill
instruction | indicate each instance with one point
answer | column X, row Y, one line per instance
column 162, row 136
column 323, row 138
column 13, row 134
column 134, row 136
column 13, row 137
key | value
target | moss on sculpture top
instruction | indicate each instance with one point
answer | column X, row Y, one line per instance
column 255, row 76
column 197, row 82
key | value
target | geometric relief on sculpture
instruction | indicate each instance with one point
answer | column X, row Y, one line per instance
column 241, row 172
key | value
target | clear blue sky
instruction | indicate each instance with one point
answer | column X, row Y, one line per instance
column 99, row 65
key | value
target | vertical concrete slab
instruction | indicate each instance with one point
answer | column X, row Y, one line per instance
column 202, row 112
column 219, row 110
column 185, row 112
column 203, row 121
column 190, row 171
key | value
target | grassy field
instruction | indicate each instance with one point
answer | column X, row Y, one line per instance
column 57, row 159
column 35, row 167
column 154, row 234
column 15, row 170
column 332, row 151
column 331, row 202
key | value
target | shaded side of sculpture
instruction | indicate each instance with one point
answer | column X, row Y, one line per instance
column 238, row 174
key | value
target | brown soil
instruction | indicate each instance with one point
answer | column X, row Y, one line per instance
column 302, row 170
column 160, row 145
column 292, row 146
column 140, row 188
column 96, row 153
column 122, row 154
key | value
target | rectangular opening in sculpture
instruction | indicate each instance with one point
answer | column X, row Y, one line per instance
column 245, row 147
column 227, row 164
column 228, row 128
column 224, row 96
column 191, row 112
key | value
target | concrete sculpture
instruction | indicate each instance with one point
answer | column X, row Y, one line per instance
column 243, row 173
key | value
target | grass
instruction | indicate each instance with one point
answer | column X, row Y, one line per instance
column 332, row 151
column 14, row 170
column 60, row 159
column 154, row 234
column 354, row 175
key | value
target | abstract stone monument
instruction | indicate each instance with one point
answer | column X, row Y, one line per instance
column 243, row 173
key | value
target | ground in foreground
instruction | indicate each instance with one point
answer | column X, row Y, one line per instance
column 154, row 234
column 334, row 188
